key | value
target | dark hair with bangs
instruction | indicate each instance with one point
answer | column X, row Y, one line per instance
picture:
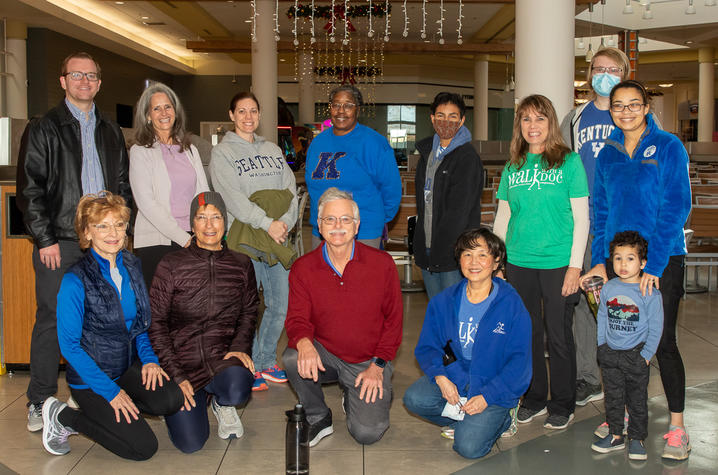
column 631, row 84
column 632, row 239
column 469, row 239
column 449, row 98
column 555, row 150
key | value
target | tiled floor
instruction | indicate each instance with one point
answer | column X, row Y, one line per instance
column 410, row 445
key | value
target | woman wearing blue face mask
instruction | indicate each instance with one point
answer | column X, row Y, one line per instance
column 585, row 130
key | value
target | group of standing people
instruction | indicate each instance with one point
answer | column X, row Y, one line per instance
column 494, row 297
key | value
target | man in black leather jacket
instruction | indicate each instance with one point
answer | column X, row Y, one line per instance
column 71, row 151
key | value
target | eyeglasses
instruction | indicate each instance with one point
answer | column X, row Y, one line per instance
column 332, row 220
column 104, row 228
column 347, row 106
column 633, row 107
column 201, row 218
column 78, row 75
column 601, row 70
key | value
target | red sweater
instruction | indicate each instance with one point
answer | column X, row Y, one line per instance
column 356, row 316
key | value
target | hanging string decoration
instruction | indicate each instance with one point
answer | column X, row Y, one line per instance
column 423, row 20
column 387, row 28
column 405, row 33
column 459, row 39
column 326, row 11
column 296, row 40
column 345, row 41
column 276, row 20
column 254, row 20
column 312, row 39
column 440, row 21
column 370, row 33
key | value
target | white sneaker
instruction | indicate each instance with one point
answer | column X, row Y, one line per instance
column 229, row 422
column 34, row 417
column 54, row 434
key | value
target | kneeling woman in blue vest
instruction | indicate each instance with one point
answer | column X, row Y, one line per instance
column 474, row 349
column 103, row 313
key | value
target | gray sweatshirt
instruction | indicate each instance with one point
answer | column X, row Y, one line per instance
column 239, row 168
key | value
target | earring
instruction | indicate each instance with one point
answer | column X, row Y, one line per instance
column 149, row 121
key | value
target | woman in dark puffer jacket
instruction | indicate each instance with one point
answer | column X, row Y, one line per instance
column 204, row 311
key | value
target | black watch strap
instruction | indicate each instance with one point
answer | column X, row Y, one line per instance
column 379, row 362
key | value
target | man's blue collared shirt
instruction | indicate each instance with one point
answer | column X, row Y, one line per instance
column 92, row 179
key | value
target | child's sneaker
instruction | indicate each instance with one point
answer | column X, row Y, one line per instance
column 603, row 430
column 677, row 444
column 274, row 374
column 513, row 427
column 447, row 432
column 636, row 450
column 608, row 444
column 259, row 383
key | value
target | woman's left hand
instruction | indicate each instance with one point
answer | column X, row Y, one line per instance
column 570, row 281
column 152, row 375
column 648, row 281
column 243, row 357
column 475, row 405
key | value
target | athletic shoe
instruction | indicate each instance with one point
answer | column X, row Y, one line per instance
column 72, row 404
column 229, row 422
column 320, row 429
column 513, row 428
column 259, row 383
column 603, row 430
column 526, row 415
column 586, row 392
column 274, row 374
column 636, row 450
column 447, row 432
column 34, row 417
column 54, row 434
column 557, row 421
column 608, row 444
column 677, row 444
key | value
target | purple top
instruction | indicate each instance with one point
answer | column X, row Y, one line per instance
column 183, row 183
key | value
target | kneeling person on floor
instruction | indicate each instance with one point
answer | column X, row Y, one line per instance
column 344, row 324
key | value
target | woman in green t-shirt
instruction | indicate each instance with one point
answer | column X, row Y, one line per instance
column 543, row 217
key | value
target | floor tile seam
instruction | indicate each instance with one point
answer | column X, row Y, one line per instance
column 13, row 402
column 82, row 457
column 697, row 335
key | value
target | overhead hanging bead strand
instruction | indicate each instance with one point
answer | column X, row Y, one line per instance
column 423, row 20
column 441, row 22
column 333, row 29
column 370, row 34
column 459, row 39
column 405, row 33
column 387, row 27
column 312, row 39
column 296, row 17
column 254, row 21
column 276, row 19
column 345, row 41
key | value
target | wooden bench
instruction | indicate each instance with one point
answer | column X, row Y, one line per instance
column 399, row 245
column 703, row 245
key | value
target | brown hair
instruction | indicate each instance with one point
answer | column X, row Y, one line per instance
column 92, row 208
column 555, row 150
column 241, row 96
column 145, row 134
column 79, row 55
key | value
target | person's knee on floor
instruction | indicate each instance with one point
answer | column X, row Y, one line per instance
column 367, row 435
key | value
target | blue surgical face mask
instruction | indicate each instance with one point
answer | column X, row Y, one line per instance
column 603, row 83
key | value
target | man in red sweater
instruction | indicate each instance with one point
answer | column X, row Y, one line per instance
column 344, row 325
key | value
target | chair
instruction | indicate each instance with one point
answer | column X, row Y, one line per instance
column 703, row 247
column 296, row 238
column 400, row 242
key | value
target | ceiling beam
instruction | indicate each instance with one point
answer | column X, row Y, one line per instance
column 244, row 46
column 193, row 17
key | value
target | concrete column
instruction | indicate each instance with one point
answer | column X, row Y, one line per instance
column 545, row 54
column 306, row 87
column 481, row 97
column 264, row 70
column 16, row 81
column 706, row 94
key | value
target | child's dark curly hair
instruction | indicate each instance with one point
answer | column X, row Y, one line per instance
column 633, row 239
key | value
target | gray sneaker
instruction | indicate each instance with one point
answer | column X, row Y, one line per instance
column 526, row 415
column 603, row 430
column 229, row 422
column 34, row 417
column 54, row 434
column 586, row 392
column 556, row 421
column 677, row 444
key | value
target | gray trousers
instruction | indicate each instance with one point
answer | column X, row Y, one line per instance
column 584, row 333
column 366, row 422
column 44, row 349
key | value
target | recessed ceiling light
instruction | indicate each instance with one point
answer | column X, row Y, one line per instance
column 282, row 60
column 119, row 3
column 248, row 21
column 689, row 42
column 145, row 17
column 669, row 84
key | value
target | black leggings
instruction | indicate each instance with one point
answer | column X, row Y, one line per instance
column 540, row 290
column 96, row 418
column 670, row 363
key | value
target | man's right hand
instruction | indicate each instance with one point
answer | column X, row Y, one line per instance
column 308, row 361
column 448, row 389
column 50, row 256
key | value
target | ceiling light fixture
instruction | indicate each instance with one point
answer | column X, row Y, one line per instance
column 669, row 84
column 589, row 52
column 647, row 13
column 691, row 10
column 710, row 3
column 628, row 9
column 645, row 2
column 581, row 45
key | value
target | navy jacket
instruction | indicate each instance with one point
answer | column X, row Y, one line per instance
column 500, row 368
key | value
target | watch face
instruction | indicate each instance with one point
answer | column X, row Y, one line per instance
column 379, row 362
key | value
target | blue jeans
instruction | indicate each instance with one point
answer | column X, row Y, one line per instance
column 275, row 282
column 189, row 430
column 435, row 282
column 475, row 435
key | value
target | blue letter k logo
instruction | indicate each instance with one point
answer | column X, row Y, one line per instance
column 327, row 165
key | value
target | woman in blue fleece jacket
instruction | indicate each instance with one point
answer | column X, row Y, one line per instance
column 474, row 349
column 642, row 185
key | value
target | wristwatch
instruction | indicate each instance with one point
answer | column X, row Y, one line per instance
column 379, row 362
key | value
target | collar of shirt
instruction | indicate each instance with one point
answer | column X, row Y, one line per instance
column 329, row 261
column 81, row 116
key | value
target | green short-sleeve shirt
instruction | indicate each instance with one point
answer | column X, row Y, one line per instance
column 540, row 231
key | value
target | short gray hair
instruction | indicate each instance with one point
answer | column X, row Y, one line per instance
column 356, row 93
column 334, row 194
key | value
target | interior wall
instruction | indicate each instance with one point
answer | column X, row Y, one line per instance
column 206, row 98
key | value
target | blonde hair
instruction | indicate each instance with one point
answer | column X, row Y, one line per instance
column 615, row 55
column 555, row 149
column 93, row 208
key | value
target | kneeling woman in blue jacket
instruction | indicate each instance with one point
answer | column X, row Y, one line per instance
column 474, row 349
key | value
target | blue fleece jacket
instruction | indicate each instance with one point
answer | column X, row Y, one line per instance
column 360, row 162
column 500, row 366
column 649, row 192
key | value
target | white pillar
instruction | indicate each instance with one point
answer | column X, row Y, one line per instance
column 16, row 81
column 264, row 70
column 545, row 51
column 706, row 94
column 481, row 97
column 306, row 87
